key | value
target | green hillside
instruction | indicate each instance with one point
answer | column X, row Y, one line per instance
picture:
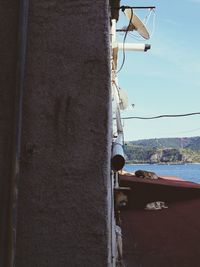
column 163, row 150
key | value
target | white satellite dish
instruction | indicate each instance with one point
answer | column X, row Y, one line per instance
column 136, row 23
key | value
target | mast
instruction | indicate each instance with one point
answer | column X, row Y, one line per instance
column 120, row 102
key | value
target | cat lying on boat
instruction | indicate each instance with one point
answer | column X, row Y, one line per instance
column 146, row 174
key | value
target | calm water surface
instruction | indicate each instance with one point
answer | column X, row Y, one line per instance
column 188, row 172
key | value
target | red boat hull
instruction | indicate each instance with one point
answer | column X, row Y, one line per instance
column 161, row 238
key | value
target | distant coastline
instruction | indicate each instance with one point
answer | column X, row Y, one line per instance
column 163, row 151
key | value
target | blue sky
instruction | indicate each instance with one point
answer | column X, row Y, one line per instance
column 166, row 79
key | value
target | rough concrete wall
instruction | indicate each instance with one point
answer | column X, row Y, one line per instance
column 8, row 59
column 63, row 210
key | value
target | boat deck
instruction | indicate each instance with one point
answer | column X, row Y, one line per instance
column 161, row 238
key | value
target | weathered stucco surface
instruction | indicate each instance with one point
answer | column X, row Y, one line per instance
column 63, row 209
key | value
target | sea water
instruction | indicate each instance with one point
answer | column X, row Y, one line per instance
column 188, row 172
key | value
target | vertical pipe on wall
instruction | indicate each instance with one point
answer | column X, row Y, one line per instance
column 17, row 127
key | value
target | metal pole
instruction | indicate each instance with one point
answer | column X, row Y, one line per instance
column 136, row 7
column 134, row 47
column 22, row 43
column 118, row 159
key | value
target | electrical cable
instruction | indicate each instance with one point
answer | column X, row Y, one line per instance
column 126, row 33
column 188, row 131
column 124, row 54
column 162, row 116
